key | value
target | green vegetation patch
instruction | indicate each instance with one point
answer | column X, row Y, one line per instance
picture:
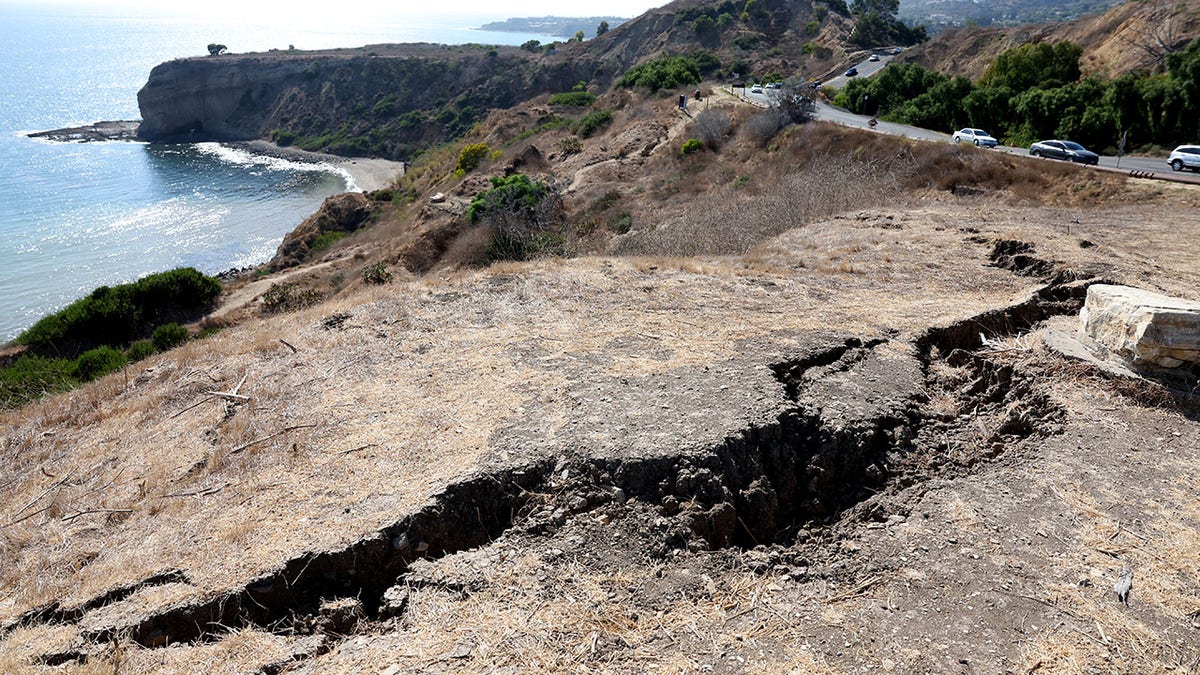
column 1036, row 91
column 573, row 99
column 117, row 315
column 592, row 122
column 671, row 72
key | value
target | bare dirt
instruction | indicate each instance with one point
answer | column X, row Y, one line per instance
column 845, row 451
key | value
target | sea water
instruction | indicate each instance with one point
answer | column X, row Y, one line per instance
column 74, row 216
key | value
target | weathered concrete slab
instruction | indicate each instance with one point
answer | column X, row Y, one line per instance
column 1142, row 328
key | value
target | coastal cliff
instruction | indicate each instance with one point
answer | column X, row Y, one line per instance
column 384, row 100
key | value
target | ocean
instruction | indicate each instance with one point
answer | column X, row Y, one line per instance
column 74, row 216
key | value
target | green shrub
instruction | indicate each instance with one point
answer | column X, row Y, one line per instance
column 98, row 362
column 376, row 274
column 690, row 146
column 139, row 350
column 623, row 223
column 573, row 99
column 169, row 335
column 570, row 146
column 32, row 377
column 592, row 122
column 470, row 157
column 526, row 216
column 670, row 72
column 533, row 46
column 325, row 240
column 117, row 315
column 283, row 137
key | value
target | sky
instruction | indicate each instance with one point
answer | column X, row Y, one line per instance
column 367, row 8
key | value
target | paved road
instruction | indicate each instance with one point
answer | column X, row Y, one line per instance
column 1156, row 165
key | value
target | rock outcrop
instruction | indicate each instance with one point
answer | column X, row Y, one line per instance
column 1142, row 328
column 340, row 213
column 385, row 100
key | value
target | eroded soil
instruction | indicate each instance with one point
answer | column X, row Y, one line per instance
column 846, row 451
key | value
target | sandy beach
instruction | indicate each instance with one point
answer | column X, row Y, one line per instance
column 368, row 173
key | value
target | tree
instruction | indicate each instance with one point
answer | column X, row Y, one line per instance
column 215, row 49
column 533, row 46
column 795, row 101
column 578, row 36
column 602, row 28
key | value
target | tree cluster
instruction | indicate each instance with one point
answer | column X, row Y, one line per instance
column 875, row 24
column 1035, row 91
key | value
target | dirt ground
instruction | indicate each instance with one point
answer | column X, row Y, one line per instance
column 846, row 451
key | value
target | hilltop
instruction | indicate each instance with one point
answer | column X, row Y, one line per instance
column 1129, row 37
column 605, row 384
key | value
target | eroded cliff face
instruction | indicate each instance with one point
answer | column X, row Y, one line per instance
column 385, row 100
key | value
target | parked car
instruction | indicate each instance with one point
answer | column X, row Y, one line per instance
column 1068, row 150
column 874, row 57
column 756, row 90
column 775, row 85
column 897, row 50
column 976, row 136
column 1185, row 157
column 852, row 72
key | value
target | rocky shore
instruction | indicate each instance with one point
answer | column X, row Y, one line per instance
column 120, row 130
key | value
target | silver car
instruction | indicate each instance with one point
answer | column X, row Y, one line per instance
column 976, row 136
column 1185, row 156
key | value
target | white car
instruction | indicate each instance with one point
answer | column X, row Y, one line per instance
column 756, row 90
column 977, row 136
column 1185, row 157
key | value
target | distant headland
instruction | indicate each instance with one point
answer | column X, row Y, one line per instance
column 562, row 26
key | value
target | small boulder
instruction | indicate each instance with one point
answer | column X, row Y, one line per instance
column 1142, row 328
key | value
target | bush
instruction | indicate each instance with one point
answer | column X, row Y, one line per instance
column 573, row 99
column 592, row 122
column 671, row 72
column 690, row 146
column 98, row 362
column 532, row 46
column 763, row 127
column 376, row 274
column 117, row 315
column 288, row 298
column 139, row 350
column 570, row 146
column 32, row 377
column 470, row 157
column 712, row 126
column 169, row 335
column 526, row 217
column 325, row 240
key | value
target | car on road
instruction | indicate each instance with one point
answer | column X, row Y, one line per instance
column 977, row 136
column 874, row 57
column 756, row 90
column 1068, row 150
column 897, row 50
column 852, row 72
column 1185, row 157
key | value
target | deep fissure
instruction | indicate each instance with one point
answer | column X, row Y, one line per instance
column 758, row 487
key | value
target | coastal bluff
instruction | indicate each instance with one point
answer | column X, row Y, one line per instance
column 382, row 100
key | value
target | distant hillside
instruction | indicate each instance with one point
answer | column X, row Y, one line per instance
column 1132, row 36
column 562, row 26
column 998, row 12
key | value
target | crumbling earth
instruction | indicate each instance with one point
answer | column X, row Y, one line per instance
column 848, row 450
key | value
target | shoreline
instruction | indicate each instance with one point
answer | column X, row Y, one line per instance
column 368, row 174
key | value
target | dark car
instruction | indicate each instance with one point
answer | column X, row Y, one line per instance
column 852, row 72
column 1068, row 150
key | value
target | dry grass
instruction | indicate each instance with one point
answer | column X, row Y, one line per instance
column 518, row 617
